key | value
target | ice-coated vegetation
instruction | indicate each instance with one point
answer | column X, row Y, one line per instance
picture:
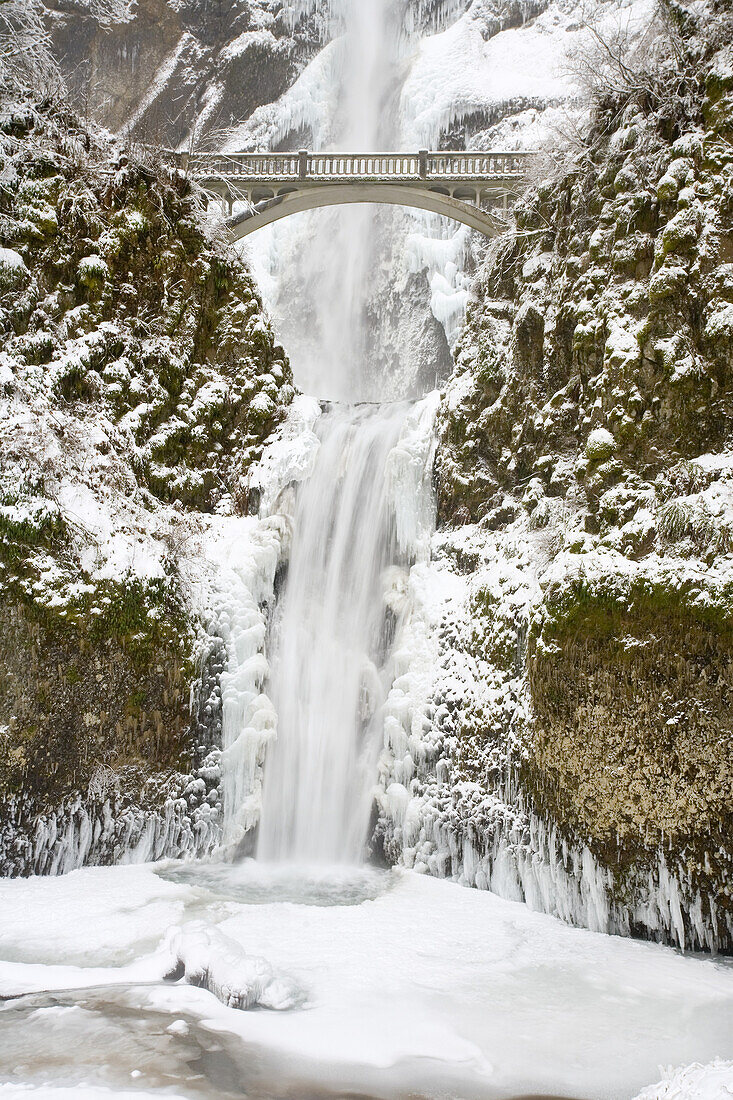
column 133, row 348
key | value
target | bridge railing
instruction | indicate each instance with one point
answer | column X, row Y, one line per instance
column 339, row 165
column 320, row 166
column 477, row 164
column 257, row 165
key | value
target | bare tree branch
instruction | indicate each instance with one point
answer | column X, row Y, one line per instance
column 26, row 61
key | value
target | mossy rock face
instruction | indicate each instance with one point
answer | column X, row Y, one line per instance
column 93, row 672
column 617, row 277
column 74, row 698
column 590, row 419
column 139, row 378
column 245, row 53
column 132, row 305
column 631, row 750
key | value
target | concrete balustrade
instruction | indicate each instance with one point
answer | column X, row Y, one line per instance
column 274, row 167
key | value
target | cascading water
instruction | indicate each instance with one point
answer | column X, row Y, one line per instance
column 330, row 636
column 347, row 238
column 417, row 987
column 322, row 267
column 351, row 522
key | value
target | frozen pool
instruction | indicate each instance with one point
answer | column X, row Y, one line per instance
column 412, row 987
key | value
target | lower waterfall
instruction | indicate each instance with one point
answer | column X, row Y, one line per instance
column 330, row 632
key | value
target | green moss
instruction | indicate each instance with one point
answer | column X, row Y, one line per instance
column 632, row 690
column 598, row 608
column 71, row 698
column 133, row 265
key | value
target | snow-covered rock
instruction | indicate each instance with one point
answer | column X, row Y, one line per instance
column 204, row 956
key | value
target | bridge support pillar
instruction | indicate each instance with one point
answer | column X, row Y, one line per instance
column 423, row 163
column 302, row 164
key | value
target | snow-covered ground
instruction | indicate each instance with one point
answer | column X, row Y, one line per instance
column 408, row 984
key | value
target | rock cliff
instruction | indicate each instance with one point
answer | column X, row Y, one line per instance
column 139, row 379
column 588, row 432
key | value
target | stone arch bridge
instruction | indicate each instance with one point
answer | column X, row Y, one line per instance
column 474, row 188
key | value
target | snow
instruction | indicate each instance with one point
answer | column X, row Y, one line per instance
column 409, row 478
column 82, row 1091
column 92, row 267
column 450, row 989
column 307, row 103
column 265, row 39
column 116, row 545
column 469, row 68
column 600, row 444
column 12, row 260
column 715, row 463
column 289, row 457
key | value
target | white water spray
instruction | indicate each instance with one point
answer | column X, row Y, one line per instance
column 362, row 512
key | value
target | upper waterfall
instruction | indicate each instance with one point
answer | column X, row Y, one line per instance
column 328, row 276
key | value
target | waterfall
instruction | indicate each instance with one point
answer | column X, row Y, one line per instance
column 346, row 238
column 321, row 269
column 330, row 638
column 362, row 512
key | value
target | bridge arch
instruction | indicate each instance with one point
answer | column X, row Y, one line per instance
column 436, row 200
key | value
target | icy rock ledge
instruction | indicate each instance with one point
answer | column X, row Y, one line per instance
column 207, row 958
column 713, row 1081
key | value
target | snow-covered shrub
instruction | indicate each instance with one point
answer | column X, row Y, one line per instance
column 92, row 272
column 692, row 518
column 600, row 445
column 13, row 271
column 26, row 60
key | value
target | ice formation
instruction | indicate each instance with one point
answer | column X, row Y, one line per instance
column 713, row 1081
column 423, row 987
column 247, row 556
column 204, row 956
column 83, row 832
column 348, row 530
column 482, row 833
column 288, row 458
column 231, row 579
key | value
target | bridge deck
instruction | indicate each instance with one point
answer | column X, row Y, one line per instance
column 304, row 167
